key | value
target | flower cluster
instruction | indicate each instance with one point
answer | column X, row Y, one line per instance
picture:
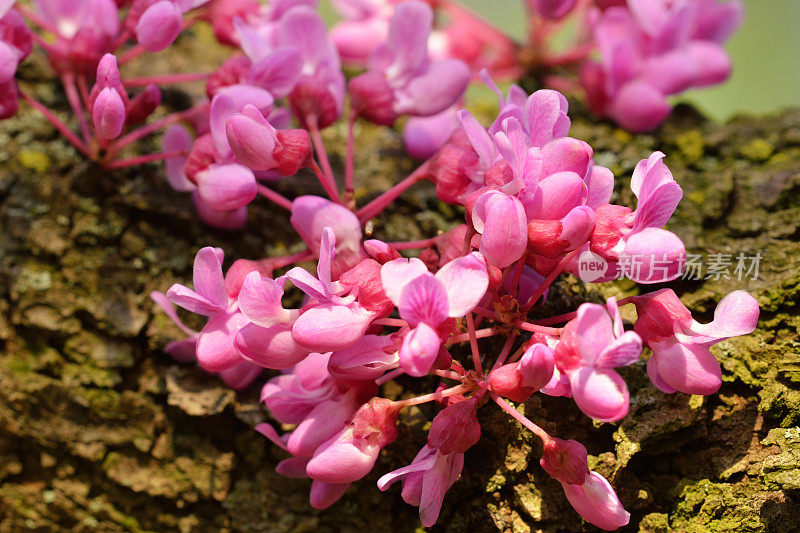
column 536, row 205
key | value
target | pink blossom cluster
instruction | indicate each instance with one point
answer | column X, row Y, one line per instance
column 459, row 311
column 535, row 202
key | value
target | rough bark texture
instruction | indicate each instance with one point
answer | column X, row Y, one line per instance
column 100, row 430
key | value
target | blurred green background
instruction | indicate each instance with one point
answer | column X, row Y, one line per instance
column 765, row 52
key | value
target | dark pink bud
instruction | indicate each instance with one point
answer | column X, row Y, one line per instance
column 221, row 14
column 554, row 238
column 455, row 428
column 143, row 104
column 610, row 220
column 239, row 270
column 565, row 460
column 372, row 98
column 451, row 167
column 377, row 419
column 313, row 97
column 252, row 139
column 108, row 114
column 518, row 381
column 159, row 26
column 293, row 151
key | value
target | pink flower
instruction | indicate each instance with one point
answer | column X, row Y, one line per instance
column 237, row 377
column 681, row 357
column 656, row 48
column 634, row 242
column 425, row 301
column 591, row 346
column 215, row 342
column 426, row 480
column 401, row 79
column 501, row 221
column 159, row 22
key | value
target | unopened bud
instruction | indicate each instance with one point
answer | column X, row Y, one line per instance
column 108, row 113
column 143, row 104
column 455, row 428
column 565, row 460
column 159, row 26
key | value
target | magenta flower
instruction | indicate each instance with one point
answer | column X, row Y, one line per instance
column 363, row 30
column 681, row 358
column 518, row 381
column 401, row 79
column 597, row 502
column 590, row 347
column 500, row 220
column 426, row 300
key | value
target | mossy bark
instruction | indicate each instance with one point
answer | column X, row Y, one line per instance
column 100, row 430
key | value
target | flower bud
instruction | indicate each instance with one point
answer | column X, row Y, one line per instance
column 500, row 219
column 373, row 98
column 108, row 114
column 380, row 251
column 455, row 428
column 565, row 460
column 293, row 151
column 159, row 26
column 143, row 104
column 252, row 139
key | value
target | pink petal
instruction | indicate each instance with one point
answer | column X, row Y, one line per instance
column 546, row 116
column 323, row 495
column 398, row 273
column 671, row 73
column 653, row 255
column 294, row 467
column 595, row 332
column 566, row 154
column 424, row 136
column 640, row 107
column 623, row 351
column 368, row 359
column 424, row 460
column 270, row 433
column 689, row 368
column 322, row 423
column 658, row 381
column 159, row 26
column 600, row 393
column 163, row 302
column 230, row 100
column 736, row 314
column 177, row 139
column 191, row 301
column 600, row 185
column 330, row 327
column 278, row 72
column 502, row 223
column 241, row 376
column 424, row 299
column 419, row 350
column 479, row 138
column 597, row 502
column 260, row 300
column 272, row 347
column 441, row 86
column 343, row 459
column 465, row 280
column 227, row 187
column 207, row 276
column 408, row 36
column 556, row 195
column 228, row 220
column 712, row 62
column 215, row 344
column 435, row 483
column 304, row 28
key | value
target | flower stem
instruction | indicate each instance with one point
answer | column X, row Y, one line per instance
column 141, row 159
column 434, row 396
column 549, row 280
column 504, row 352
column 322, row 154
column 479, row 334
column 328, row 184
column 394, row 322
column 413, row 245
column 350, row 159
column 389, row 376
column 144, row 131
column 274, row 197
column 56, row 122
column 381, row 202
column 473, row 343
column 519, row 417
column 75, row 103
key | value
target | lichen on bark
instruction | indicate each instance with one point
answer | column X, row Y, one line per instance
column 100, row 430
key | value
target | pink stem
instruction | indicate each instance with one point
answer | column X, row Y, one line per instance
column 504, row 353
column 75, row 103
column 183, row 77
column 350, row 160
column 84, row 91
column 447, row 374
column 123, row 38
column 389, row 376
column 516, row 415
column 413, row 245
column 60, row 126
column 327, row 184
column 381, row 202
column 479, row 334
column 549, row 280
column 144, row 131
column 473, row 343
column 566, row 317
column 574, row 55
column 131, row 54
column 432, row 397
column 527, row 326
column 394, row 322
column 319, row 148
column 49, row 48
column 491, row 32
column 141, row 159
column 274, row 197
